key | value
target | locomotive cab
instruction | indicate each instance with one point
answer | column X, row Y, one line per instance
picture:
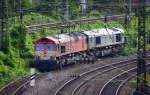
column 45, row 51
column 45, row 54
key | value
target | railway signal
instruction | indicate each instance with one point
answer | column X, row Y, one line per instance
column 32, row 78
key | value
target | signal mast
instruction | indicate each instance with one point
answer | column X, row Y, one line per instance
column 141, row 50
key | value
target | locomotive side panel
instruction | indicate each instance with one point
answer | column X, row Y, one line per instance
column 74, row 46
column 105, row 40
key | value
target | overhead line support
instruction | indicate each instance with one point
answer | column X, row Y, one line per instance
column 141, row 50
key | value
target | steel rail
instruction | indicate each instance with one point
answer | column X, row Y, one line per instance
column 12, row 83
column 100, row 73
column 104, row 87
column 25, row 83
column 7, row 88
column 17, row 91
column 118, row 89
column 88, row 72
column 121, row 85
column 79, row 86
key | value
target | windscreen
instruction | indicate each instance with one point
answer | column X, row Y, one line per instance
column 50, row 47
column 39, row 47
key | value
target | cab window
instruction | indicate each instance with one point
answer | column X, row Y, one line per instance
column 98, row 40
column 39, row 47
column 50, row 47
column 118, row 37
column 63, row 49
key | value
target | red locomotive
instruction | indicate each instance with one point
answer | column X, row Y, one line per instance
column 60, row 50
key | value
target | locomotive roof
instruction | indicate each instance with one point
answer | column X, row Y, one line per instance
column 61, row 38
column 103, row 31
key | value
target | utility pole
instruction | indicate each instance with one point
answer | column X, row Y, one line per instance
column 21, row 13
column 127, row 13
column 4, row 32
column 20, row 44
column 128, row 10
column 141, row 53
column 83, row 7
column 64, row 13
column 14, row 8
column 130, row 7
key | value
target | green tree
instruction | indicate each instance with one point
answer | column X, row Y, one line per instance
column 27, row 4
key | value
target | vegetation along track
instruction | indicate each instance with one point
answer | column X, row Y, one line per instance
column 73, row 86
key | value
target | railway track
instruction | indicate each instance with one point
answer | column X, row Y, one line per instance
column 35, row 28
column 71, row 87
column 18, row 87
column 113, row 86
column 75, row 91
column 79, row 86
column 122, row 83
